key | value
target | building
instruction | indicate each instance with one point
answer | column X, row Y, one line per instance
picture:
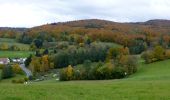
column 4, row 61
column 18, row 60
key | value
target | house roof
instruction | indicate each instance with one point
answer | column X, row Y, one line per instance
column 4, row 60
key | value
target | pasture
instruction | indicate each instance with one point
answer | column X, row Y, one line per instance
column 15, row 54
column 151, row 82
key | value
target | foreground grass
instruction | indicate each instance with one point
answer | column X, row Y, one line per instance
column 14, row 54
column 151, row 82
column 88, row 90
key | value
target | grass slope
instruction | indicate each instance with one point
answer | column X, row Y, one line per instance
column 151, row 82
column 14, row 54
column 11, row 42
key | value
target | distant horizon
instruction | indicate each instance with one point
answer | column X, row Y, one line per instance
column 31, row 13
column 83, row 19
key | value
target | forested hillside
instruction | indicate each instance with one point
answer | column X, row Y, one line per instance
column 149, row 33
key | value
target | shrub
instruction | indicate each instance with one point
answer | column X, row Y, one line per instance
column 28, row 61
column 16, row 69
column 129, row 63
column 67, row 74
column 138, row 46
column 118, row 73
column 77, row 75
column 167, row 54
column 93, row 74
column 31, row 78
column 18, row 81
column 87, row 65
column 159, row 53
column 7, row 72
column 51, row 65
column 105, row 72
column 1, row 66
column 100, row 71
column 26, row 79
column 148, row 56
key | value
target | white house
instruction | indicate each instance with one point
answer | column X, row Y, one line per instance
column 19, row 60
column 4, row 61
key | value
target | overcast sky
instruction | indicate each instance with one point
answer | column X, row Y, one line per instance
column 29, row 13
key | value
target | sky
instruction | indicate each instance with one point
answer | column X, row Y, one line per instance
column 30, row 13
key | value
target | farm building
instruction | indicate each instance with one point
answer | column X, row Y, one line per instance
column 18, row 60
column 4, row 61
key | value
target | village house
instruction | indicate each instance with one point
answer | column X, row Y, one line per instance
column 4, row 61
column 18, row 60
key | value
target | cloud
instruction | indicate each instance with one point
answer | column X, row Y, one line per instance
column 29, row 13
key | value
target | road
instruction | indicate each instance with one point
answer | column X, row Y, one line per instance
column 26, row 70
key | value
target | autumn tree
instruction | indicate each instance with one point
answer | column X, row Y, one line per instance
column 35, row 65
column 66, row 74
column 4, row 46
column 16, row 69
column 45, row 63
column 159, row 52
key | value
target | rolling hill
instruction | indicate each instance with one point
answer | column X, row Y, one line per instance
column 155, row 25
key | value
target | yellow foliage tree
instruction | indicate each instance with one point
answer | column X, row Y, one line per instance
column 35, row 65
column 45, row 62
column 16, row 69
column 69, row 72
column 4, row 46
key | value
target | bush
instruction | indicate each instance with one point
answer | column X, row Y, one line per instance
column 93, row 74
column 7, row 72
column 1, row 66
column 87, row 65
column 118, row 73
column 26, row 79
column 148, row 56
column 138, row 46
column 20, row 81
column 100, row 71
column 16, row 69
column 31, row 78
column 129, row 63
column 167, row 54
column 67, row 74
column 105, row 72
column 77, row 75
column 159, row 53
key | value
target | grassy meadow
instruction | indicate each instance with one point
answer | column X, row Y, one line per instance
column 151, row 82
column 14, row 54
column 11, row 42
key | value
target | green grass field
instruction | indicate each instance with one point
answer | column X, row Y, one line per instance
column 0, row 74
column 7, row 40
column 151, row 82
column 14, row 54
column 11, row 42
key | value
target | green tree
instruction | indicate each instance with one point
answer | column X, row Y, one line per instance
column 7, row 72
